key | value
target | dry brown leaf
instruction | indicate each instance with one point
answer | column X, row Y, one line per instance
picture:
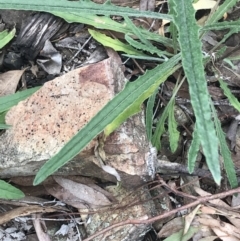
column 87, row 194
column 209, row 238
column 9, row 81
column 189, row 218
column 171, row 227
column 224, row 236
column 64, row 195
column 223, row 208
column 208, row 210
column 40, row 228
column 222, row 229
column 24, row 211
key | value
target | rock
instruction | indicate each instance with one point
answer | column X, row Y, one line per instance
column 44, row 122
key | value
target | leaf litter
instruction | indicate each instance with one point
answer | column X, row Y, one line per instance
column 209, row 225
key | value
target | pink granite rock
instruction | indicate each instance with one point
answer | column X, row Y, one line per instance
column 44, row 122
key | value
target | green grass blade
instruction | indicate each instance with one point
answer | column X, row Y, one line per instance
column 223, row 8
column 145, row 47
column 6, row 37
column 4, row 126
column 179, row 236
column 149, row 114
column 135, row 105
column 193, row 151
column 123, row 105
column 160, row 129
column 172, row 129
column 227, row 92
column 102, row 22
column 6, row 102
column 3, row 34
column 193, row 67
column 83, row 7
column 8, row 191
column 172, row 28
column 144, row 57
column 136, row 31
column 222, row 25
column 226, row 154
column 113, row 43
column 145, row 44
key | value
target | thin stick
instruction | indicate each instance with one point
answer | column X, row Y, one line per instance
column 167, row 214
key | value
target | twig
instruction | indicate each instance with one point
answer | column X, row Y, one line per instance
column 167, row 214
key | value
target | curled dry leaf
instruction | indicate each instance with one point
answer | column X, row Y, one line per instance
column 171, row 227
column 224, row 230
column 9, row 81
column 24, row 211
column 64, row 195
column 87, row 194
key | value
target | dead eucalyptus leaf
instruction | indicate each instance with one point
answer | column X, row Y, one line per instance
column 87, row 194
column 9, row 81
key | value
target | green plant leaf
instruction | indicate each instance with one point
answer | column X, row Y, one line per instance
column 113, row 43
column 83, row 7
column 227, row 92
column 160, row 129
column 149, row 114
column 193, row 67
column 222, row 25
column 172, row 128
column 193, row 151
column 4, row 126
column 147, row 48
column 223, row 8
column 226, row 154
column 146, row 45
column 123, row 105
column 6, row 36
column 178, row 236
column 6, row 102
column 8, row 191
column 144, row 57
column 102, row 22
column 172, row 28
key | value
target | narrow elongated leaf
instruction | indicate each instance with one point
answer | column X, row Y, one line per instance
column 193, row 151
column 149, row 114
column 123, row 105
column 223, row 8
column 222, row 26
column 8, row 191
column 6, row 36
column 160, row 129
column 172, row 129
column 232, row 99
column 113, row 43
column 146, row 44
column 137, row 32
column 226, row 154
column 194, row 71
column 144, row 57
column 178, row 236
column 102, row 22
column 172, row 28
column 145, row 47
column 4, row 126
column 83, row 7
column 6, row 102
